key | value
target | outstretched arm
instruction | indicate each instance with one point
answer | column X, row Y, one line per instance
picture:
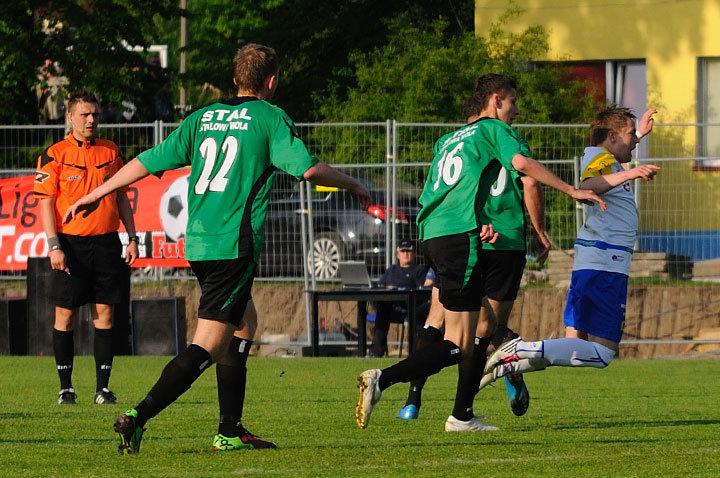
column 325, row 175
column 602, row 184
column 128, row 174
column 539, row 172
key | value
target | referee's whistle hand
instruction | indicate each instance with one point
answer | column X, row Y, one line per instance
column 57, row 259
column 131, row 253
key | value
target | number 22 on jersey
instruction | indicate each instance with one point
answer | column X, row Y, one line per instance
column 449, row 167
column 209, row 153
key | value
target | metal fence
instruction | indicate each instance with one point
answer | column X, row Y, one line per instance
column 679, row 210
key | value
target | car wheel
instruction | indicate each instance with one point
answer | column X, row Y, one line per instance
column 326, row 254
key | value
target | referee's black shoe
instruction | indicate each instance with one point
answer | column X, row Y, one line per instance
column 105, row 397
column 67, row 396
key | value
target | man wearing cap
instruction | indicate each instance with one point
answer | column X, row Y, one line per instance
column 406, row 274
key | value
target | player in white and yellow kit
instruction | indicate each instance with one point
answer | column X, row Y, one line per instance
column 595, row 309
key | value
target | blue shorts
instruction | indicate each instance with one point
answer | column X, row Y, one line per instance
column 596, row 303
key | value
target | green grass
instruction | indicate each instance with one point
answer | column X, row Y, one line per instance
column 644, row 418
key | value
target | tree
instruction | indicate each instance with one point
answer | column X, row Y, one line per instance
column 424, row 74
column 87, row 38
column 313, row 38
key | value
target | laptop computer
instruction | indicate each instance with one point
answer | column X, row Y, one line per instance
column 354, row 275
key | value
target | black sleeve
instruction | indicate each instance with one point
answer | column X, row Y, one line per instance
column 383, row 281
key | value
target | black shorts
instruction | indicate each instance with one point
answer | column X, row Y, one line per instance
column 226, row 286
column 96, row 268
column 457, row 263
column 503, row 273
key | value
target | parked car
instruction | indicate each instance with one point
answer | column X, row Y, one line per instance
column 342, row 230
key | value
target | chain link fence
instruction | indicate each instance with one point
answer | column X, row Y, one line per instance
column 679, row 210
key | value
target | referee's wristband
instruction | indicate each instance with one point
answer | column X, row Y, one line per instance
column 134, row 239
column 53, row 243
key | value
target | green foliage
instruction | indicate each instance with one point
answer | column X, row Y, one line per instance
column 18, row 62
column 313, row 39
column 87, row 38
column 637, row 418
column 425, row 73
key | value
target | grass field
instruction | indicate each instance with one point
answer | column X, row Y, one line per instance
column 643, row 418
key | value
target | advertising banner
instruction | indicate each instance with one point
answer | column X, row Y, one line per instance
column 159, row 207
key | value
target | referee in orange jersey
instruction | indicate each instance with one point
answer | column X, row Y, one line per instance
column 86, row 254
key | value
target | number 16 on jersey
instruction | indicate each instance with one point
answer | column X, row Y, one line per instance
column 449, row 167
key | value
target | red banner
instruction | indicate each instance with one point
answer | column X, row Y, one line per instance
column 159, row 207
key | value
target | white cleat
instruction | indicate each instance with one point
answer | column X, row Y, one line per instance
column 369, row 385
column 506, row 352
column 452, row 424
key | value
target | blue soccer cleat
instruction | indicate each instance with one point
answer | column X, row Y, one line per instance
column 409, row 412
column 517, row 393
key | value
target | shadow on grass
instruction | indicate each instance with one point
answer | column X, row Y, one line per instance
column 652, row 423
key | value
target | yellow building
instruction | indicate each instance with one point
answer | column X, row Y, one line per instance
column 658, row 53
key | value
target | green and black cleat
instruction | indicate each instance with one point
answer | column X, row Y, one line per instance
column 130, row 432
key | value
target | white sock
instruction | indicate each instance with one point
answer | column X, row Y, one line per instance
column 568, row 352
column 531, row 365
column 530, row 349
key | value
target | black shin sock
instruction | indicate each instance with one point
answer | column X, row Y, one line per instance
column 64, row 348
column 469, row 375
column 426, row 336
column 231, row 372
column 177, row 377
column 422, row 363
column 103, row 351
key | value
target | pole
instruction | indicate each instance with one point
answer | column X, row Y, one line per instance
column 183, row 54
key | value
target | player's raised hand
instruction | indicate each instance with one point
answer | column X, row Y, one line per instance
column 645, row 124
column 488, row 234
column 588, row 197
column 646, row 171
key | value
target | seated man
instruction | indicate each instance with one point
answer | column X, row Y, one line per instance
column 403, row 275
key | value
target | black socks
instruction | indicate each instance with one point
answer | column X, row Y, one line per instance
column 177, row 377
column 231, row 372
column 422, row 363
column 64, row 349
column 103, row 351
column 426, row 336
column 470, row 373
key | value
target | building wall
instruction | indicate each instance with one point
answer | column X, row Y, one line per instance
column 669, row 36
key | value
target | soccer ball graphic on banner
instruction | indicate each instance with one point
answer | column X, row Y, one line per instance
column 174, row 209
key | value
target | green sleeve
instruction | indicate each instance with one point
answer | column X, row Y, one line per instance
column 174, row 152
column 509, row 144
column 287, row 151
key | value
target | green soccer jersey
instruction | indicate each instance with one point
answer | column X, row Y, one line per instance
column 465, row 166
column 233, row 148
column 505, row 210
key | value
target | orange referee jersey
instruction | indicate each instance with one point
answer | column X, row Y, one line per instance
column 70, row 169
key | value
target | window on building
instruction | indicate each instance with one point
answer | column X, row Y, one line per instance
column 623, row 83
column 708, row 111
